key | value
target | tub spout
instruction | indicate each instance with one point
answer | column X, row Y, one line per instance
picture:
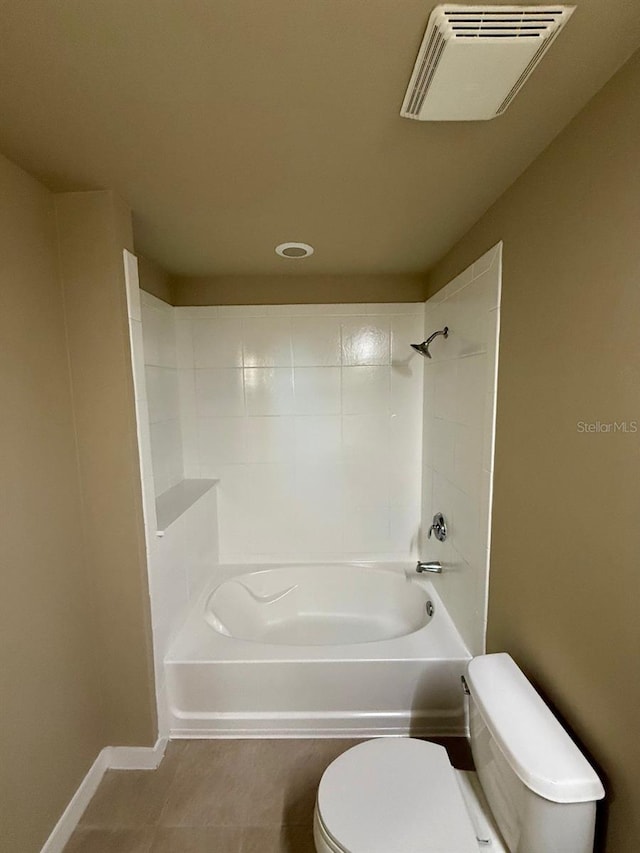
column 431, row 566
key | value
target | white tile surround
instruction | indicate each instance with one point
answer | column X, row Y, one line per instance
column 181, row 556
column 311, row 418
column 459, row 428
column 161, row 376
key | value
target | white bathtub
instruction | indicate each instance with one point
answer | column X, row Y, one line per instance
column 317, row 606
column 315, row 650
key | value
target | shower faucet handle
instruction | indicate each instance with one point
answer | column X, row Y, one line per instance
column 438, row 527
column 434, row 566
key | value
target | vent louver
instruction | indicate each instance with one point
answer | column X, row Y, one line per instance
column 474, row 60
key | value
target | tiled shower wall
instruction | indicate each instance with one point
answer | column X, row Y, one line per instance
column 181, row 556
column 311, row 417
column 459, row 426
column 161, row 373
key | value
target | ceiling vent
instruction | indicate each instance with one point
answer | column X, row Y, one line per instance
column 474, row 60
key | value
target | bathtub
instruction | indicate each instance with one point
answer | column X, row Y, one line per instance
column 318, row 650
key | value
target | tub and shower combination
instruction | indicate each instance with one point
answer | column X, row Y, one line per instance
column 352, row 648
column 316, row 650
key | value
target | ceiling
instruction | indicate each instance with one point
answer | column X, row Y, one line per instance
column 230, row 126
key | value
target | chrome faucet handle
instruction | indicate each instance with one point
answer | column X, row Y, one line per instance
column 434, row 566
column 438, row 527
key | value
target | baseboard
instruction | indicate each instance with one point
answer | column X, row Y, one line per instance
column 136, row 757
column 109, row 758
column 70, row 817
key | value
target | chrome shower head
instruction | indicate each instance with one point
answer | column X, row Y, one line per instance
column 423, row 348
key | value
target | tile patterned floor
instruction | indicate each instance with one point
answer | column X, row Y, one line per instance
column 217, row 796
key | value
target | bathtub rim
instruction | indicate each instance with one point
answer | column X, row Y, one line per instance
column 209, row 614
column 198, row 642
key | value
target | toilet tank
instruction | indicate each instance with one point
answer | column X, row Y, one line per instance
column 541, row 789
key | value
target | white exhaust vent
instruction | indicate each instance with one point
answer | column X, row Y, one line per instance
column 474, row 60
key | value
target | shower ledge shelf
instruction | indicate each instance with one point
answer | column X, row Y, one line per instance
column 173, row 503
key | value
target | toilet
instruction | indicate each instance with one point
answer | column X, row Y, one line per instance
column 533, row 791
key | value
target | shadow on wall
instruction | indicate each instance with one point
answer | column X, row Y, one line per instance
column 602, row 806
column 402, row 366
column 433, row 693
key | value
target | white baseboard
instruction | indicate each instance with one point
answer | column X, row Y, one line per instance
column 109, row 758
column 71, row 815
column 136, row 757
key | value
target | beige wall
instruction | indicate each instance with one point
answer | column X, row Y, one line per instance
column 154, row 279
column 565, row 572
column 296, row 289
column 52, row 720
column 93, row 229
column 75, row 662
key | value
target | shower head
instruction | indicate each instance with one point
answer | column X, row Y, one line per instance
column 423, row 348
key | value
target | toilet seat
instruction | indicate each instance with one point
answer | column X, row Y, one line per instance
column 393, row 796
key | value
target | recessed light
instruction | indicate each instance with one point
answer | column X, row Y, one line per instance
column 294, row 250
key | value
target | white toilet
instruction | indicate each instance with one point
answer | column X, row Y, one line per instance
column 534, row 792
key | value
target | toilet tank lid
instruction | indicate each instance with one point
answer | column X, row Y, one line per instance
column 538, row 749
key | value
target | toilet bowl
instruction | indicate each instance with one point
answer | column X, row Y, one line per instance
column 408, row 793
column 533, row 791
